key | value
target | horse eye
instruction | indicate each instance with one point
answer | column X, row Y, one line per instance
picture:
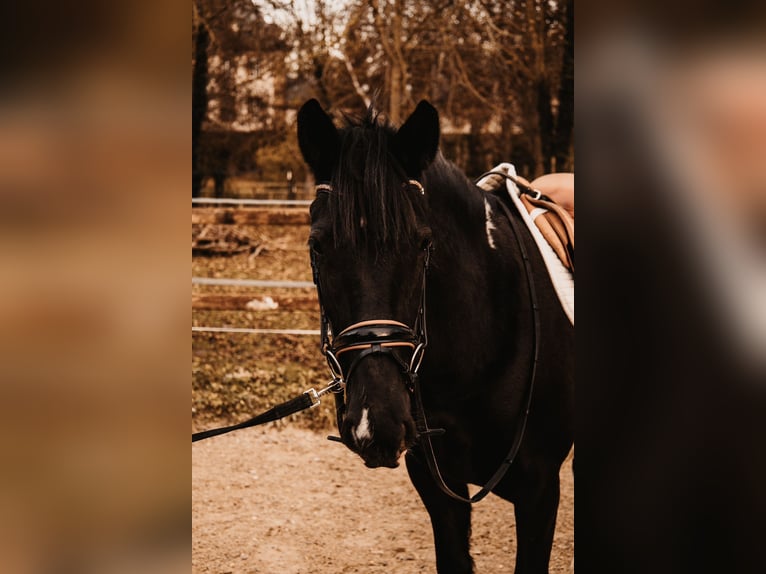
column 315, row 246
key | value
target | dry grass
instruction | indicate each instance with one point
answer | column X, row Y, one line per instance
column 235, row 376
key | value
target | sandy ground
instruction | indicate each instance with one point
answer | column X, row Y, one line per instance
column 284, row 500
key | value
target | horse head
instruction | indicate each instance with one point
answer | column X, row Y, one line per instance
column 370, row 242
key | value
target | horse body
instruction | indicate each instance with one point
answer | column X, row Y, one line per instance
column 477, row 370
column 477, row 367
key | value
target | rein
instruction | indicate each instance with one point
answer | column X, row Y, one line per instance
column 383, row 337
column 380, row 336
column 371, row 337
column 516, row 444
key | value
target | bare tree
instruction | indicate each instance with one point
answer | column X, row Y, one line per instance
column 563, row 151
column 200, row 43
column 500, row 73
column 236, row 51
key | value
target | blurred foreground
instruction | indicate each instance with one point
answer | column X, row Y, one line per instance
column 672, row 366
column 94, row 349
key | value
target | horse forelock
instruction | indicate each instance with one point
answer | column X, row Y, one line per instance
column 370, row 207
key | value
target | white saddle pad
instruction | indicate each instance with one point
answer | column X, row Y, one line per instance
column 563, row 281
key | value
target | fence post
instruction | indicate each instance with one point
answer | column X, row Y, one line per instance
column 290, row 185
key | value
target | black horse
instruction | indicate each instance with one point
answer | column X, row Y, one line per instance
column 406, row 252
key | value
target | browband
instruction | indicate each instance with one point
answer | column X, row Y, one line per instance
column 327, row 187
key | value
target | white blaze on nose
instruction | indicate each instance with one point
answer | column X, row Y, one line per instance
column 362, row 430
column 489, row 225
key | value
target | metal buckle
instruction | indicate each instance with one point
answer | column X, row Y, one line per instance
column 335, row 386
column 417, row 185
column 417, row 358
column 334, row 365
column 314, row 396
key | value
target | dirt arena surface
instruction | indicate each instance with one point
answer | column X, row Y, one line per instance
column 284, row 500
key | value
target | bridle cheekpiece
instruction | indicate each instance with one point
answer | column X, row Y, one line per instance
column 385, row 337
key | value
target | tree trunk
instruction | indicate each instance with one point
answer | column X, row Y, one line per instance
column 395, row 102
column 219, row 179
column 565, row 119
column 199, row 102
column 397, row 66
column 545, row 127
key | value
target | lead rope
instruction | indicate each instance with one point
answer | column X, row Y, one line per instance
column 306, row 400
column 420, row 419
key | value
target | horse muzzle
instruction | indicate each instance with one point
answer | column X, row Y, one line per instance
column 376, row 450
column 375, row 458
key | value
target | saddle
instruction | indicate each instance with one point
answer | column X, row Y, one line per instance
column 550, row 221
column 549, row 200
column 556, row 225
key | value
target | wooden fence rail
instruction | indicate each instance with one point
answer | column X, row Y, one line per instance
column 250, row 216
column 252, row 302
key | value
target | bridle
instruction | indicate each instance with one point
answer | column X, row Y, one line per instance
column 377, row 336
column 383, row 337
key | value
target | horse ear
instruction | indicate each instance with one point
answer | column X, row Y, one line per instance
column 417, row 141
column 318, row 139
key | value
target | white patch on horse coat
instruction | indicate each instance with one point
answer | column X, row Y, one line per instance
column 362, row 430
column 489, row 225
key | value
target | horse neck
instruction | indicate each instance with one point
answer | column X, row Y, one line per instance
column 474, row 287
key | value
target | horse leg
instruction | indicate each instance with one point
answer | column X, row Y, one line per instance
column 535, row 508
column 450, row 519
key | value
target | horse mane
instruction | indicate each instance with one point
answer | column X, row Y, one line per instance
column 369, row 187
